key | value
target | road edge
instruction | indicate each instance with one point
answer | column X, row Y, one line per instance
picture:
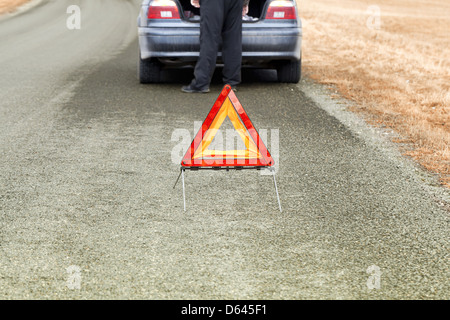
column 378, row 138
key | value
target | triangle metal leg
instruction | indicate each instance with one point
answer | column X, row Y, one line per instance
column 276, row 188
column 184, row 193
column 177, row 179
column 182, row 170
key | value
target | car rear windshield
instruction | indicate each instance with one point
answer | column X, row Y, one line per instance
column 255, row 12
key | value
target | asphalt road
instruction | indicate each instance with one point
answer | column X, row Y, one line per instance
column 88, row 209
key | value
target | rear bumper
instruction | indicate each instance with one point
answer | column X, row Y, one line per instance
column 257, row 43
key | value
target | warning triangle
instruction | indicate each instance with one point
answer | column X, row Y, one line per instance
column 255, row 153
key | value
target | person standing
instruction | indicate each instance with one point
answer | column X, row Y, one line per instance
column 219, row 20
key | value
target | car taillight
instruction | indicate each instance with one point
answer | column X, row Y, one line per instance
column 281, row 9
column 163, row 9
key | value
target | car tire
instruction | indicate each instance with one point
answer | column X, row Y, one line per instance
column 149, row 71
column 289, row 71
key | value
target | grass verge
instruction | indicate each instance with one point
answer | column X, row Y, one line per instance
column 8, row 6
column 391, row 59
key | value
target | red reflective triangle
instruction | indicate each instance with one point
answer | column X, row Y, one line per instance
column 255, row 154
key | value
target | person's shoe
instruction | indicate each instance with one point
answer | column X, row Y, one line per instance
column 233, row 87
column 189, row 89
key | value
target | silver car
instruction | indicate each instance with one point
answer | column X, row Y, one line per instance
column 169, row 33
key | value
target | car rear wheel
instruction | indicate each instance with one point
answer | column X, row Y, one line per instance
column 289, row 71
column 149, row 71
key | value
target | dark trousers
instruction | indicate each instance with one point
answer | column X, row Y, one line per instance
column 220, row 22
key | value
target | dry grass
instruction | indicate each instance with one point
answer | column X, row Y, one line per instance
column 398, row 75
column 7, row 6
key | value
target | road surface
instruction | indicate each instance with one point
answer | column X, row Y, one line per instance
column 88, row 208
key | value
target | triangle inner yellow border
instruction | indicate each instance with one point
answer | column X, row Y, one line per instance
column 227, row 109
